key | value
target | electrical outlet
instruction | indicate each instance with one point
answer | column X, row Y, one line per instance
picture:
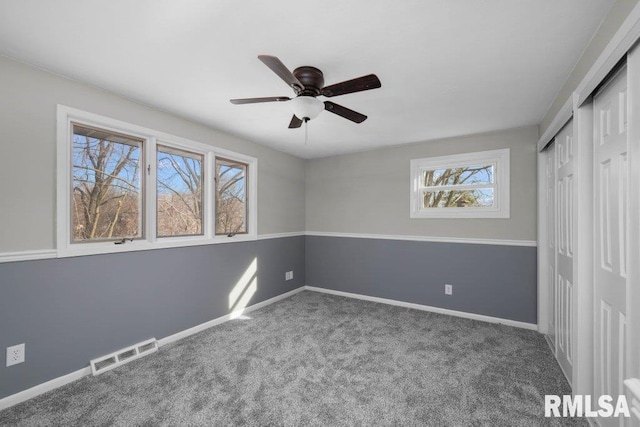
column 15, row 354
column 288, row 275
column 448, row 289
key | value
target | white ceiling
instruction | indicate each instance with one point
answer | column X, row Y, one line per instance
column 447, row 67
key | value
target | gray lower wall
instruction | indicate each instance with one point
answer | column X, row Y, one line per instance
column 69, row 311
column 492, row 280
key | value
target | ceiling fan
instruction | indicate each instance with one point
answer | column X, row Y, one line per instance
column 308, row 83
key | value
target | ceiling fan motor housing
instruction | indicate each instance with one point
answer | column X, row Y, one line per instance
column 311, row 78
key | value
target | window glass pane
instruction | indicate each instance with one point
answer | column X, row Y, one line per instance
column 231, row 197
column 107, row 197
column 482, row 197
column 179, row 192
column 477, row 174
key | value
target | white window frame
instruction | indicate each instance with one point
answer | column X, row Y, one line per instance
column 500, row 161
column 66, row 248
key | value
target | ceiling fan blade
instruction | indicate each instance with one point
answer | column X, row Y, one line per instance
column 282, row 71
column 295, row 122
column 256, row 100
column 354, row 116
column 350, row 86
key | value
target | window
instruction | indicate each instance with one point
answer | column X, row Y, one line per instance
column 179, row 198
column 231, row 197
column 107, row 190
column 472, row 185
column 122, row 187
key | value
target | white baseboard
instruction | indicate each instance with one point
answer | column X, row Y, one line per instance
column 32, row 392
column 225, row 318
column 480, row 317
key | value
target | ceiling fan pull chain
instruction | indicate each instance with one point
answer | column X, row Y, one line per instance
column 306, row 131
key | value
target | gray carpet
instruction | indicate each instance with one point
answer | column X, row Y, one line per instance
column 317, row 359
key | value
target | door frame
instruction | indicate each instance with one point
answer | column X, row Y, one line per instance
column 579, row 106
column 633, row 217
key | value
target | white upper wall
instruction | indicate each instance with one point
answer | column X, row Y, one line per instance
column 365, row 192
column 368, row 192
column 28, row 99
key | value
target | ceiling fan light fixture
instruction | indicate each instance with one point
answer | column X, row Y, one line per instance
column 306, row 107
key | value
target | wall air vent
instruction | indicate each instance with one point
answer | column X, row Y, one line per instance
column 125, row 355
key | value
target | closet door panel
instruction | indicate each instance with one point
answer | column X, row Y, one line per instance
column 564, row 219
column 550, row 171
column 610, row 218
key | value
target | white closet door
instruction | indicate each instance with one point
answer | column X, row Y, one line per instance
column 564, row 284
column 610, row 217
column 550, row 171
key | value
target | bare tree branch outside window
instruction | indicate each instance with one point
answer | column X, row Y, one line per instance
column 179, row 192
column 469, row 186
column 231, row 197
column 106, row 185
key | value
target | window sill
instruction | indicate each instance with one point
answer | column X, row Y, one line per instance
column 83, row 249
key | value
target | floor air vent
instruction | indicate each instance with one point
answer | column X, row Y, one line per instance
column 120, row 357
